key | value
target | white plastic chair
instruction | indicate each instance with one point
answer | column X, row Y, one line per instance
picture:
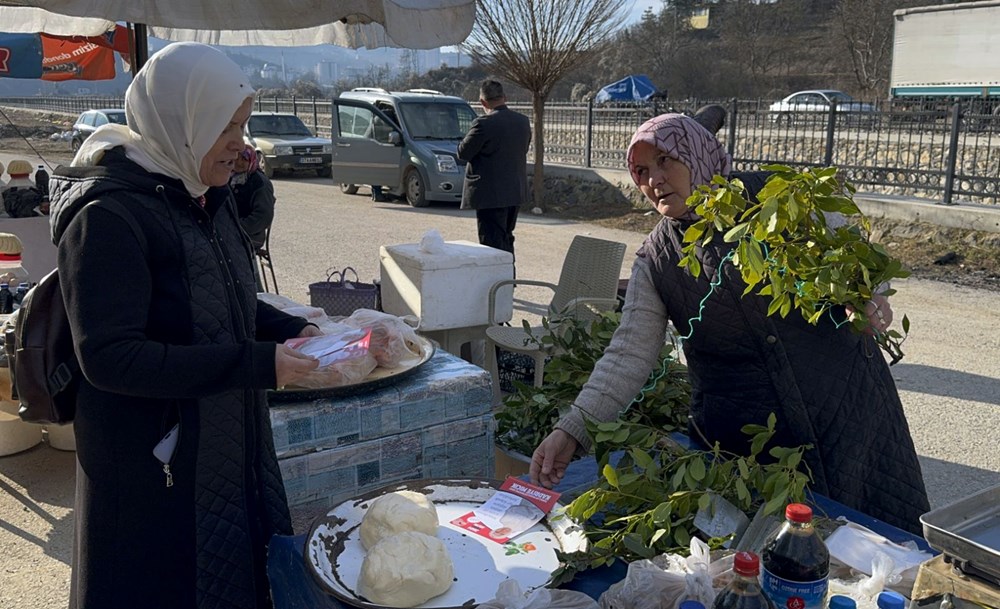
column 588, row 285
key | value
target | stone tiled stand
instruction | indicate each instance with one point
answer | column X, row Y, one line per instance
column 435, row 423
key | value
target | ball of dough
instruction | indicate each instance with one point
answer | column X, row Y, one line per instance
column 406, row 570
column 396, row 513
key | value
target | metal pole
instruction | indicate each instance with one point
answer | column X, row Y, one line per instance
column 731, row 144
column 949, row 176
column 588, row 143
column 140, row 46
column 831, row 124
column 315, row 118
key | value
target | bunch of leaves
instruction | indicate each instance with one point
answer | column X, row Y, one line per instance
column 646, row 504
column 785, row 248
column 529, row 413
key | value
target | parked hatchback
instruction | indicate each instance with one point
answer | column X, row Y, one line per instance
column 89, row 121
column 284, row 143
column 404, row 141
column 818, row 100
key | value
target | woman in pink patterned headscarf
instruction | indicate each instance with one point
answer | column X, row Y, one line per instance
column 670, row 156
column 828, row 386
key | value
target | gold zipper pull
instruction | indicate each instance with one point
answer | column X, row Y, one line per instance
column 170, row 476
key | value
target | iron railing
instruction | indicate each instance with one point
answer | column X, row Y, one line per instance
column 945, row 151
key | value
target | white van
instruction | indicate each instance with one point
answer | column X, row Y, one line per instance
column 405, row 142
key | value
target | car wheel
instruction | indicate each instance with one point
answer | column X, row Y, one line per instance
column 326, row 172
column 268, row 171
column 349, row 189
column 783, row 118
column 416, row 194
column 75, row 144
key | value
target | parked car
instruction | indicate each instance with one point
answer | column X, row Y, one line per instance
column 819, row 100
column 284, row 143
column 405, row 141
column 89, row 121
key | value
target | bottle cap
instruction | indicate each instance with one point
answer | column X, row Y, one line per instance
column 799, row 512
column 746, row 563
column 839, row 601
column 887, row 599
column 4, row 285
column 691, row 604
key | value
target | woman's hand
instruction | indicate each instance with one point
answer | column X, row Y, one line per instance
column 290, row 365
column 310, row 330
column 549, row 462
column 879, row 314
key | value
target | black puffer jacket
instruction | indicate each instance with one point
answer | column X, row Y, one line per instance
column 827, row 385
column 167, row 332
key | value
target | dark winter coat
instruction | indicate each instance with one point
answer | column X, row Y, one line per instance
column 828, row 386
column 255, row 206
column 167, row 333
column 496, row 149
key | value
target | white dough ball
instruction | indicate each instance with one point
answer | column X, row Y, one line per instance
column 406, row 570
column 398, row 512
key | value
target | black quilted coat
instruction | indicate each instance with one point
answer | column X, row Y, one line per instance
column 828, row 387
column 168, row 331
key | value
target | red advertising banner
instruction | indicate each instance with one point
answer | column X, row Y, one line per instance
column 64, row 59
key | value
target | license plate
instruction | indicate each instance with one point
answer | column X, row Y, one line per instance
column 311, row 160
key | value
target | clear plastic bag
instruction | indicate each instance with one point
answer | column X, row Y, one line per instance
column 344, row 358
column 392, row 341
column 664, row 581
column 865, row 590
column 510, row 595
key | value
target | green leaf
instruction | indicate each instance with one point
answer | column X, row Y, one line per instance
column 611, row 475
column 736, row 233
column 697, row 469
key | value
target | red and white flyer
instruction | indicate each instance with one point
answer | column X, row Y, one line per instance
column 512, row 510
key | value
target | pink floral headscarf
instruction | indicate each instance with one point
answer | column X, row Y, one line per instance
column 681, row 137
column 250, row 155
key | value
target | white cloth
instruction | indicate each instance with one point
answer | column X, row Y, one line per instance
column 176, row 109
column 418, row 24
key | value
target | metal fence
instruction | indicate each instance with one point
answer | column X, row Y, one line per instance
column 939, row 150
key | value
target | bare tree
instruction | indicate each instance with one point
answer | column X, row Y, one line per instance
column 534, row 43
column 865, row 31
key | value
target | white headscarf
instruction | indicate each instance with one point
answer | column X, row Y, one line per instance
column 177, row 107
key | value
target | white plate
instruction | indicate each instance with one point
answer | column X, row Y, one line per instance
column 334, row 553
column 311, row 160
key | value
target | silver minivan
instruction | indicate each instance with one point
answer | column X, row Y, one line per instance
column 405, row 142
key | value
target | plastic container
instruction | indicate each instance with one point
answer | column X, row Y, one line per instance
column 744, row 591
column 888, row 599
column 448, row 289
column 839, row 601
column 691, row 604
column 796, row 563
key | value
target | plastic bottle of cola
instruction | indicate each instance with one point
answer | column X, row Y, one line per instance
column 796, row 563
column 744, row 591
column 42, row 180
column 6, row 299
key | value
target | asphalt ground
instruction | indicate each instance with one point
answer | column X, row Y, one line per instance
column 949, row 380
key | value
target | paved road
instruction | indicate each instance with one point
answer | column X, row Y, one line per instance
column 949, row 381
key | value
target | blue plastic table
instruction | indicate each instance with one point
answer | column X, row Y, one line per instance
column 293, row 586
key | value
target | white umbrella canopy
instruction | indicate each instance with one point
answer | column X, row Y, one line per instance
column 417, row 24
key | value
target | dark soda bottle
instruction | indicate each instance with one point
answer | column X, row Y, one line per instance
column 796, row 563
column 6, row 299
column 743, row 592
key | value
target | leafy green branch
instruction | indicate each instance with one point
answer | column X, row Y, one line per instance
column 787, row 250
column 646, row 504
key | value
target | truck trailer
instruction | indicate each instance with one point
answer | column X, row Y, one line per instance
column 949, row 51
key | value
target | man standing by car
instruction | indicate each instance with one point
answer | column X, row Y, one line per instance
column 496, row 180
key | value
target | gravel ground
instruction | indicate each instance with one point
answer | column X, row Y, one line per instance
column 949, row 380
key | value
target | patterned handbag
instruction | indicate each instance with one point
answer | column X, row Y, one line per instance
column 339, row 296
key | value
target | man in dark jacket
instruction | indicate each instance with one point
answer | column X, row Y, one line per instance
column 496, row 180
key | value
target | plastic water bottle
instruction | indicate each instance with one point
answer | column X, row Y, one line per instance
column 888, row 599
column 42, row 180
column 744, row 591
column 6, row 299
column 839, row 601
column 796, row 563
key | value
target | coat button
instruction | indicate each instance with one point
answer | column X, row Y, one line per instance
column 771, row 339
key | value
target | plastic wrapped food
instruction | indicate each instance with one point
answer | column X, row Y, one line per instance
column 392, row 340
column 342, row 373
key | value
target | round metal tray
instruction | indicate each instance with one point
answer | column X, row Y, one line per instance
column 334, row 554
column 379, row 378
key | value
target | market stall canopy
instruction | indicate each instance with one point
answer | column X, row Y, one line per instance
column 636, row 87
column 417, row 24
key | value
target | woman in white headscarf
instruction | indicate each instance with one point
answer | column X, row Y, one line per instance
column 159, row 288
